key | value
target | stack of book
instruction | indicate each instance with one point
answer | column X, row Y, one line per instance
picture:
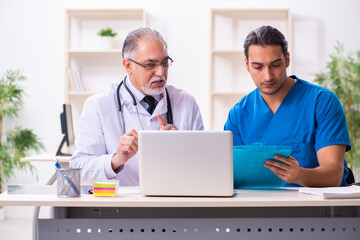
column 75, row 80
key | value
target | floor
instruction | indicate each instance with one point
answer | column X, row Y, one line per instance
column 16, row 229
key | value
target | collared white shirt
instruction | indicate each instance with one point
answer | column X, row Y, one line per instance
column 101, row 125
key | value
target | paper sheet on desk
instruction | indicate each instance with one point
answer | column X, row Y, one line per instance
column 125, row 190
column 333, row 192
column 31, row 189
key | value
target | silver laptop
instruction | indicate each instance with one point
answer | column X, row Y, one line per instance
column 186, row 163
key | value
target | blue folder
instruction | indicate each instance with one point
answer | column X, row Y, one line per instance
column 249, row 170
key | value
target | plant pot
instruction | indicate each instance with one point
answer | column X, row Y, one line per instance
column 106, row 42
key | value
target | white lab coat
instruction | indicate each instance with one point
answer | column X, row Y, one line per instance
column 100, row 127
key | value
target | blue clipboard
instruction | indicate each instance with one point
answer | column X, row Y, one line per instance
column 249, row 170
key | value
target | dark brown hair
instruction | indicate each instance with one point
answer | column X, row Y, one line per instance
column 264, row 36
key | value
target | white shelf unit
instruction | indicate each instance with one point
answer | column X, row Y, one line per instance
column 229, row 80
column 98, row 65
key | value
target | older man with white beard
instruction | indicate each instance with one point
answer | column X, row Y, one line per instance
column 107, row 139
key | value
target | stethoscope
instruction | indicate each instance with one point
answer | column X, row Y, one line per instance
column 169, row 115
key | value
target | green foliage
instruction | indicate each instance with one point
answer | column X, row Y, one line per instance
column 19, row 142
column 10, row 94
column 106, row 32
column 342, row 77
column 22, row 141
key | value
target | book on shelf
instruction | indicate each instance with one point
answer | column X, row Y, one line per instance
column 75, row 80
column 71, row 80
column 79, row 81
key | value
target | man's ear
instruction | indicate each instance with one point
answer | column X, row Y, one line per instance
column 128, row 66
column 287, row 59
column 246, row 64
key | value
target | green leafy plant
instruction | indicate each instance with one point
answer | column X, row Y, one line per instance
column 342, row 77
column 107, row 32
column 18, row 142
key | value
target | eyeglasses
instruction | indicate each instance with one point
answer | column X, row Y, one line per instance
column 151, row 66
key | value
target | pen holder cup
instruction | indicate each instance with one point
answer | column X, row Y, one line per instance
column 68, row 182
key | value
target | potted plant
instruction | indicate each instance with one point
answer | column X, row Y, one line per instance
column 107, row 37
column 342, row 76
column 18, row 141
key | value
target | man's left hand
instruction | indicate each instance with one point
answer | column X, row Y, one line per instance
column 163, row 124
column 288, row 169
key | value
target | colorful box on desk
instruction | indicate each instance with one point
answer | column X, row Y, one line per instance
column 104, row 188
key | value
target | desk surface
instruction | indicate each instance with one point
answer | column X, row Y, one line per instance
column 243, row 198
column 46, row 157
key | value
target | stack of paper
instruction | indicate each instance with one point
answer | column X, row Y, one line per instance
column 333, row 192
column 106, row 188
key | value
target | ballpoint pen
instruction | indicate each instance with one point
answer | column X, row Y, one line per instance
column 57, row 165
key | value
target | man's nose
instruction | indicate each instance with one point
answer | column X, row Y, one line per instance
column 160, row 70
column 268, row 74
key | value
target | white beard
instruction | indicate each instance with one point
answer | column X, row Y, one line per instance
column 157, row 91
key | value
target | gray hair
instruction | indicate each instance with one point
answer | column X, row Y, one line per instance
column 264, row 36
column 130, row 46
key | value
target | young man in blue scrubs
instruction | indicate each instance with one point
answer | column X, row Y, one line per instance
column 289, row 111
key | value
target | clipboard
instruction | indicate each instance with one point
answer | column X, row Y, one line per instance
column 249, row 170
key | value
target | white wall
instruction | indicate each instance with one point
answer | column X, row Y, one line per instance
column 32, row 39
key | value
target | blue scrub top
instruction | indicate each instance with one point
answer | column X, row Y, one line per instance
column 309, row 118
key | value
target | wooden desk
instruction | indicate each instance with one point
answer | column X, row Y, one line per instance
column 47, row 157
column 250, row 214
column 283, row 197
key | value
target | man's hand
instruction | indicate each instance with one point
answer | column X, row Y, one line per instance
column 288, row 169
column 329, row 173
column 163, row 124
column 127, row 147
